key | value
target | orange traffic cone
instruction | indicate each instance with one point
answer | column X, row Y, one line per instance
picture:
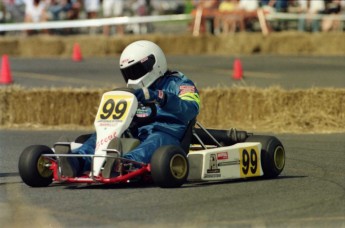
column 77, row 56
column 237, row 70
column 5, row 77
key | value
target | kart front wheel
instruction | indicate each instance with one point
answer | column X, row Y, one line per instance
column 33, row 168
column 169, row 166
column 272, row 154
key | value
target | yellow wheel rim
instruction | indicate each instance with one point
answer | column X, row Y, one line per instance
column 279, row 157
column 178, row 166
column 43, row 167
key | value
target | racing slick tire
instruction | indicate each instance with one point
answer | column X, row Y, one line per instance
column 33, row 168
column 272, row 154
column 169, row 166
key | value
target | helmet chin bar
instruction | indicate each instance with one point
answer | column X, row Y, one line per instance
column 135, row 85
column 145, row 81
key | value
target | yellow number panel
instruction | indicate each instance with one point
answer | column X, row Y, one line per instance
column 113, row 108
column 250, row 164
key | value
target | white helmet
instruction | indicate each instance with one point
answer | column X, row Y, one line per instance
column 141, row 63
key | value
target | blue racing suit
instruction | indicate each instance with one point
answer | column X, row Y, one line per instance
column 181, row 105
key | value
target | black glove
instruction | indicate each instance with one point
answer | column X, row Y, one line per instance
column 145, row 95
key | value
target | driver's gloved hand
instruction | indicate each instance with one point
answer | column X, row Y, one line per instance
column 145, row 95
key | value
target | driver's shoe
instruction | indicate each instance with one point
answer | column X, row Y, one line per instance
column 68, row 164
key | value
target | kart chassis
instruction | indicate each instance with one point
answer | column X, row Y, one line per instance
column 204, row 154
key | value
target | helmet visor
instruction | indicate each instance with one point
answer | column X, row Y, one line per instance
column 139, row 69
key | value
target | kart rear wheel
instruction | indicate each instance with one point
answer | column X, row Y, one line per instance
column 272, row 154
column 33, row 168
column 169, row 166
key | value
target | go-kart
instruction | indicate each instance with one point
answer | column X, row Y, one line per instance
column 204, row 154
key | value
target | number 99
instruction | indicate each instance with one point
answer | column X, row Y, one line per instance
column 117, row 110
column 249, row 161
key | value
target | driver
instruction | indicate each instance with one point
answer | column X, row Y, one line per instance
column 144, row 68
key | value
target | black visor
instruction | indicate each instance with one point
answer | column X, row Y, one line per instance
column 139, row 69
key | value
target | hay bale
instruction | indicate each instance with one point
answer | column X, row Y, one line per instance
column 9, row 46
column 274, row 109
column 328, row 43
column 286, row 43
column 241, row 43
column 51, row 107
column 89, row 45
column 4, row 105
column 249, row 108
column 183, row 44
column 296, row 43
column 41, row 46
column 116, row 45
column 208, row 44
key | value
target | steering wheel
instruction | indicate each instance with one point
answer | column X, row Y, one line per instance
column 150, row 105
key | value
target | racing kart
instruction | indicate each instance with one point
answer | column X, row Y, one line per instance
column 203, row 155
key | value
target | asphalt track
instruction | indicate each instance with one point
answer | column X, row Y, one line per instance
column 289, row 72
column 309, row 193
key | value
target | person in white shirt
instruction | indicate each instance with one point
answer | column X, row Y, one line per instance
column 91, row 8
column 308, row 9
column 248, row 5
column 113, row 8
column 248, row 9
column 35, row 11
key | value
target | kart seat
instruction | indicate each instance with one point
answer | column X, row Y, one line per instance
column 187, row 138
column 129, row 144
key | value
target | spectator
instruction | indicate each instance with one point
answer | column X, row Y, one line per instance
column 188, row 6
column 113, row 8
column 228, row 17
column 329, row 23
column 64, row 10
column 73, row 11
column 2, row 15
column 55, row 8
column 272, row 6
column 70, row 8
column 308, row 10
column 281, row 6
column 15, row 9
column 208, row 8
column 91, row 8
column 249, row 5
column 142, row 8
column 35, row 11
column 269, row 3
column 248, row 10
column 150, row 10
column 228, row 5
